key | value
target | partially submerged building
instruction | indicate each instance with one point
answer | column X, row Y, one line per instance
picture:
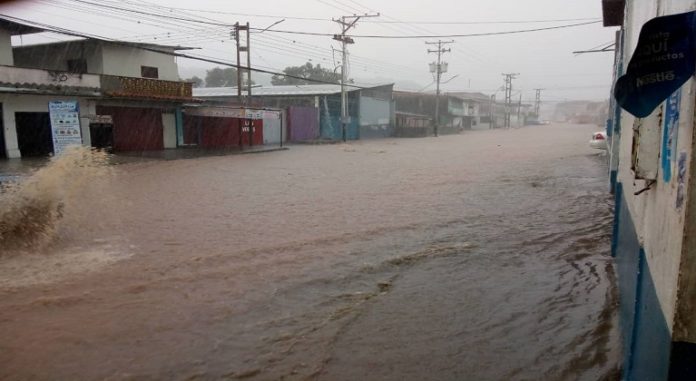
column 453, row 114
column 129, row 95
column 314, row 111
column 654, row 241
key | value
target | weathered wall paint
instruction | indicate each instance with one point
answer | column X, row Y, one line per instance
column 136, row 129
column 56, row 56
column 670, row 131
column 303, row 123
column 656, row 281
column 126, row 61
column 13, row 103
column 6, row 57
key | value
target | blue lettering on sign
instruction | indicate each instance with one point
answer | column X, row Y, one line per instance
column 664, row 59
column 670, row 132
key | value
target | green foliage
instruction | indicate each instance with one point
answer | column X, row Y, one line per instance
column 197, row 82
column 307, row 71
column 219, row 77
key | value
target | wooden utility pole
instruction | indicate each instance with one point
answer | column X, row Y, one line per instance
column 347, row 23
column 438, row 69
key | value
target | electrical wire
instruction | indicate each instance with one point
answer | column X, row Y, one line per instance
column 69, row 32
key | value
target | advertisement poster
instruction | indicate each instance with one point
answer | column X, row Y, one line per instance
column 669, row 134
column 663, row 60
column 65, row 125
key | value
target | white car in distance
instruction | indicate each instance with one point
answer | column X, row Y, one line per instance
column 599, row 141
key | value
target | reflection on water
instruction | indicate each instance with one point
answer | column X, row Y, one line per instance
column 480, row 256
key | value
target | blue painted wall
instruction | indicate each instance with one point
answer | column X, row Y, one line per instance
column 330, row 118
column 645, row 335
column 652, row 341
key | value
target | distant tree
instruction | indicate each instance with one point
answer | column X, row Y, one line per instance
column 219, row 77
column 197, row 82
column 307, row 71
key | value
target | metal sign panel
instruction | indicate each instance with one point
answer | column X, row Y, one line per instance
column 664, row 59
column 65, row 124
column 222, row 112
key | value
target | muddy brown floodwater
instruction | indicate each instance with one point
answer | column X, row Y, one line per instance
column 482, row 256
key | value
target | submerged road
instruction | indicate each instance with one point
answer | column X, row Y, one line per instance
column 482, row 256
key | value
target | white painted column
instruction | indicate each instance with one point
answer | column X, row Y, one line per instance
column 11, row 144
column 169, row 124
column 86, row 108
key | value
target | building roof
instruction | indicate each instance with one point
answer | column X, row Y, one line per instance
column 476, row 96
column 141, row 45
column 16, row 28
column 274, row 91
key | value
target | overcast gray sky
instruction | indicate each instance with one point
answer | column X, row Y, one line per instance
column 544, row 59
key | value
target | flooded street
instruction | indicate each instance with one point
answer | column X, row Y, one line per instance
column 482, row 256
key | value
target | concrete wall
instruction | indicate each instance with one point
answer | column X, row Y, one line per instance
column 649, row 237
column 36, row 77
column 56, row 56
column 6, row 57
column 102, row 58
column 126, row 61
column 12, row 103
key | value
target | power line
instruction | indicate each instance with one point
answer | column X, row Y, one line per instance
column 441, row 35
column 152, row 49
column 489, row 22
column 430, row 22
column 208, row 22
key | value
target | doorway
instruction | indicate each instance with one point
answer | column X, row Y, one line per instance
column 34, row 133
column 102, row 136
column 3, row 149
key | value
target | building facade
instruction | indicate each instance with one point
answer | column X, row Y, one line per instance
column 370, row 109
column 654, row 240
column 129, row 94
column 453, row 114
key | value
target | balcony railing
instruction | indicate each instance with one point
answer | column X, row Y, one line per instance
column 23, row 78
column 60, row 82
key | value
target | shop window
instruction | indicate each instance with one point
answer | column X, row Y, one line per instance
column 149, row 72
column 77, row 66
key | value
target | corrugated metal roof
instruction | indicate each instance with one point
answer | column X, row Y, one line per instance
column 269, row 91
column 204, row 92
column 142, row 45
column 470, row 95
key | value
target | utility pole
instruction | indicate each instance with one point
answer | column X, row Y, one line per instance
column 347, row 23
column 519, row 110
column 438, row 68
column 244, row 78
column 537, row 103
column 508, row 96
column 491, row 121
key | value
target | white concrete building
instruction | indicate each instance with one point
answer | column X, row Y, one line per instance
column 129, row 94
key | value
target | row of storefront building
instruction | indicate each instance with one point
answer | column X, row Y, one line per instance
column 131, row 98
